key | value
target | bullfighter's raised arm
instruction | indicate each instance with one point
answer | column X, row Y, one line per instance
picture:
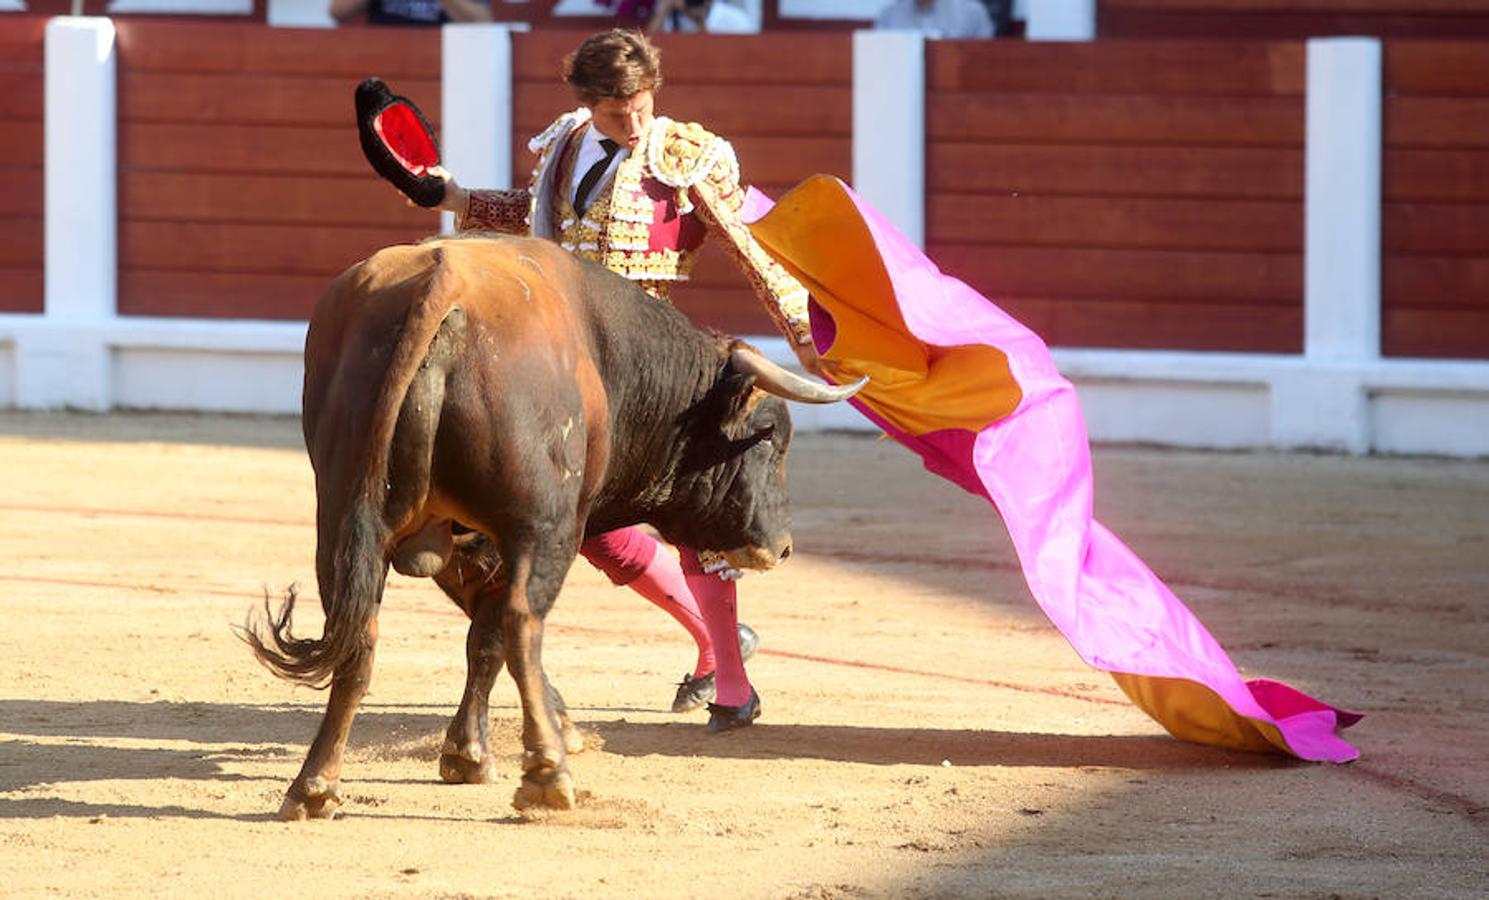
column 720, row 200
column 505, row 211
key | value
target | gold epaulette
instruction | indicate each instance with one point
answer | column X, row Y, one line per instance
column 681, row 154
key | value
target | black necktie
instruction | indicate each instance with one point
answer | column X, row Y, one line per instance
column 587, row 183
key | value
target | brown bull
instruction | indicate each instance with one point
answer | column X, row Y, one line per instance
column 474, row 408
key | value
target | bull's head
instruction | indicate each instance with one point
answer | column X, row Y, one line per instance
column 734, row 473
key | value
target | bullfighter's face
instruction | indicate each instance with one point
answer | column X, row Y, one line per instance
column 624, row 119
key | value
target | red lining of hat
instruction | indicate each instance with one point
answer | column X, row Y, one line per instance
column 403, row 134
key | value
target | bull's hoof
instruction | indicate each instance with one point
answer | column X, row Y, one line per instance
column 545, row 788
column 315, row 799
column 465, row 764
column 454, row 769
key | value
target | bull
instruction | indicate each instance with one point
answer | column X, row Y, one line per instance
column 473, row 409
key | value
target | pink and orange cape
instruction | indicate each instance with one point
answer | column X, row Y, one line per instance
column 977, row 395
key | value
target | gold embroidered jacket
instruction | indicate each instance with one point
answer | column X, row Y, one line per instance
column 679, row 185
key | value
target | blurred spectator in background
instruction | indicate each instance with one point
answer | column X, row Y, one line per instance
column 638, row 11
column 1001, row 12
column 938, row 18
column 411, row 12
column 711, row 16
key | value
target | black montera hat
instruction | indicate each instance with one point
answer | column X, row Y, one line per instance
column 397, row 140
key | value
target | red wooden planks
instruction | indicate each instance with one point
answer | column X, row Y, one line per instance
column 22, row 85
column 242, row 187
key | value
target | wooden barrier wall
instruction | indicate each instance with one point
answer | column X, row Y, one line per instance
column 242, row 188
column 1291, row 19
column 1123, row 194
column 22, row 58
column 1435, row 224
column 785, row 103
column 1104, row 193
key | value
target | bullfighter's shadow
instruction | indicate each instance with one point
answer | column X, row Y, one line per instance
column 924, row 746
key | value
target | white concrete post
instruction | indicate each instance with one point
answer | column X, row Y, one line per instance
column 889, row 126
column 1342, row 202
column 70, row 366
column 1060, row 20
column 1324, row 403
column 82, row 166
column 476, row 106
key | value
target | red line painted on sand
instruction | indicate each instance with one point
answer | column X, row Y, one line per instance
column 946, row 676
column 114, row 585
column 1463, row 806
column 600, row 632
column 1472, row 810
column 151, row 514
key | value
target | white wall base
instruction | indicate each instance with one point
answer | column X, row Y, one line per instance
column 161, row 378
column 148, row 363
column 1439, row 423
column 1223, row 401
column 1189, row 414
column 1233, row 401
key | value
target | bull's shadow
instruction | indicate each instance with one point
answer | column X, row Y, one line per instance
column 218, row 726
column 382, row 730
column 214, row 723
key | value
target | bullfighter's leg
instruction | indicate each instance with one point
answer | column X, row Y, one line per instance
column 475, row 580
column 315, row 793
column 630, row 557
column 738, row 705
column 537, row 573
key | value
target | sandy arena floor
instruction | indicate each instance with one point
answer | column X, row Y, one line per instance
column 925, row 734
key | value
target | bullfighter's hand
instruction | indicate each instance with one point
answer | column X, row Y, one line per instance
column 807, row 355
column 721, row 568
column 456, row 197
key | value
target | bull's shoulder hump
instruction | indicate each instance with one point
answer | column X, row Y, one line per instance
column 496, row 252
column 486, row 274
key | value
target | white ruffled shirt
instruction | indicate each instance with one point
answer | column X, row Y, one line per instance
column 590, row 152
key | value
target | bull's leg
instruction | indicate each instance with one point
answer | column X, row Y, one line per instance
column 476, row 582
column 573, row 739
column 315, row 793
column 466, row 755
column 536, row 577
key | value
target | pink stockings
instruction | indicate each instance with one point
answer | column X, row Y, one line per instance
column 716, row 597
column 702, row 603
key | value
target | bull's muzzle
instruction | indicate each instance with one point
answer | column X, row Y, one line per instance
column 758, row 558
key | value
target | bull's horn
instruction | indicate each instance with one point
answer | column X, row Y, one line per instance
column 773, row 379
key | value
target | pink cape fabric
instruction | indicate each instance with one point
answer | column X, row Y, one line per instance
column 1035, row 467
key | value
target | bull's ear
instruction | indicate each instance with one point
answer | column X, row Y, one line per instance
column 736, row 391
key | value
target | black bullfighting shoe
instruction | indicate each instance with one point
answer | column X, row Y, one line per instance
column 728, row 718
column 693, row 692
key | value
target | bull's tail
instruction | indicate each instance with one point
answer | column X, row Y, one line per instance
column 359, row 572
column 358, row 567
